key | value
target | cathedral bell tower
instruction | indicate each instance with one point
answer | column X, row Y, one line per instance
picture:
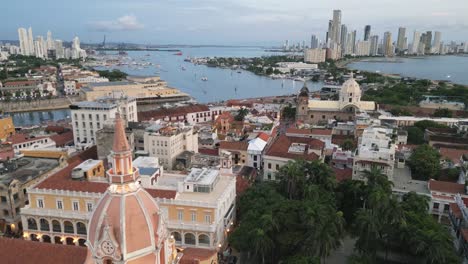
column 302, row 106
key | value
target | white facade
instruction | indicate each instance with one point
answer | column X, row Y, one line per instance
column 89, row 117
column 375, row 148
column 363, row 48
column 166, row 142
column 314, row 55
column 255, row 152
column 69, row 88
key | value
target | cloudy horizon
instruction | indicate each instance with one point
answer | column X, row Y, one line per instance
column 240, row 22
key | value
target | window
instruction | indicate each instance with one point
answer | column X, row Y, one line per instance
column 3, row 199
column 76, row 206
column 194, row 216
column 180, row 215
column 255, row 157
column 311, row 116
column 89, row 206
column 436, row 206
column 208, row 219
column 269, row 165
column 59, row 204
column 323, row 117
column 277, row 167
column 40, row 203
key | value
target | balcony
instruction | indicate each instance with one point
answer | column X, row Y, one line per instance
column 193, row 226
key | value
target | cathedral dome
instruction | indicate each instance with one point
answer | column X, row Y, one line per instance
column 126, row 226
column 350, row 91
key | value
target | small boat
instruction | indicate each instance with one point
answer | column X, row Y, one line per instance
column 178, row 53
column 204, row 79
column 448, row 76
column 187, row 59
column 183, row 68
column 239, row 71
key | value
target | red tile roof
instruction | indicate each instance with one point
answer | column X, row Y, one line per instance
column 211, row 152
column 20, row 83
column 343, row 174
column 265, row 137
column 453, row 154
column 171, row 112
column 196, row 255
column 63, row 139
column 234, row 145
column 22, row 138
column 156, row 193
column 30, row 252
column 280, row 147
column 446, row 187
column 61, row 180
column 456, row 210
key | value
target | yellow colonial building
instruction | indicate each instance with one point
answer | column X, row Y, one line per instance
column 6, row 127
column 199, row 207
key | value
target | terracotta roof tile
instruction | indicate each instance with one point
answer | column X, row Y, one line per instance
column 234, row 145
column 63, row 139
column 211, row 152
column 172, row 112
column 30, row 252
column 280, row 147
column 156, row 193
column 22, row 138
column 446, row 187
column 265, row 137
column 343, row 174
column 453, row 154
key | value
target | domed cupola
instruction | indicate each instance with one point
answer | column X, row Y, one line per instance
column 126, row 226
column 350, row 92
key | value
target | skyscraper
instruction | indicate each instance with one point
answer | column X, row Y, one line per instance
column 428, row 42
column 387, row 44
column 374, row 45
column 401, row 39
column 314, row 42
column 24, row 42
column 329, row 33
column 30, row 41
column 60, row 52
column 336, row 27
column 343, row 40
column 350, row 43
column 436, row 45
column 415, row 45
column 50, row 41
column 367, row 32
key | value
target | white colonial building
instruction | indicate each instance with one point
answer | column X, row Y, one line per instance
column 89, row 117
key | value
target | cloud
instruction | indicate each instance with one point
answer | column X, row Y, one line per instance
column 123, row 23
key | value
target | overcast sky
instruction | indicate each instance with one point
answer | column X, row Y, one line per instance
column 249, row 22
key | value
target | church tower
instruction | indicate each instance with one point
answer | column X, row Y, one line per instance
column 302, row 108
column 127, row 226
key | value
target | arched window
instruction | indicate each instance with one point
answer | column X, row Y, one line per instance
column 44, row 224
column 46, row 239
column 204, row 240
column 177, row 237
column 32, row 224
column 69, row 241
column 81, row 242
column 57, row 240
column 68, row 226
column 56, row 227
column 190, row 239
column 81, row 228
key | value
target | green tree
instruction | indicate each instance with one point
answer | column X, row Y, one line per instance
column 241, row 114
column 443, row 112
column 425, row 163
column 415, row 135
column 428, row 124
column 348, row 144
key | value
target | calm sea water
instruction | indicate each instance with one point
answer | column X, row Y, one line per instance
column 222, row 84
column 451, row 68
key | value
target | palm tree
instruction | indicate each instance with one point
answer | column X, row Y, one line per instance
column 292, row 178
column 320, row 174
column 375, row 178
column 262, row 243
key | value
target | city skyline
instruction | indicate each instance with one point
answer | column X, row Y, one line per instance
column 231, row 22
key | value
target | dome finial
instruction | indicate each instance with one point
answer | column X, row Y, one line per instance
column 352, row 75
